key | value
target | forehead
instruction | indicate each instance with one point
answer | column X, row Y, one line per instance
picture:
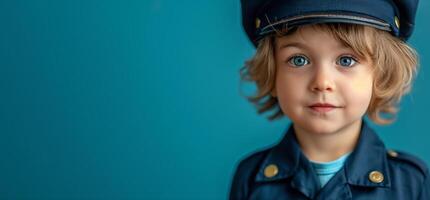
column 310, row 36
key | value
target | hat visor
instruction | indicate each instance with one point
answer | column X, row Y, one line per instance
column 323, row 18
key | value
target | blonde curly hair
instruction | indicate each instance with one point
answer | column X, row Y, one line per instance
column 395, row 67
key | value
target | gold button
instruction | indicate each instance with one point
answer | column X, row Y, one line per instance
column 271, row 171
column 392, row 153
column 257, row 23
column 376, row 177
column 396, row 21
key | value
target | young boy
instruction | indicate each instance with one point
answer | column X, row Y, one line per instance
column 326, row 64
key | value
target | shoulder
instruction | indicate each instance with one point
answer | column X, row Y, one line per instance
column 247, row 166
column 407, row 161
column 407, row 169
column 244, row 173
column 410, row 173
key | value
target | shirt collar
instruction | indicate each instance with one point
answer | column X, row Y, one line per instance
column 368, row 155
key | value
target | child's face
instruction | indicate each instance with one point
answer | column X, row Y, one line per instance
column 313, row 67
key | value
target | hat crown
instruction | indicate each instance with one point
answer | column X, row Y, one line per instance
column 262, row 17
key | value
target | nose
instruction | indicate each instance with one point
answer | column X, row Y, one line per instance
column 323, row 79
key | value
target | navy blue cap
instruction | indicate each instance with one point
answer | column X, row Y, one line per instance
column 263, row 17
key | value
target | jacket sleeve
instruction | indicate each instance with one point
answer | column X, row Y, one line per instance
column 239, row 186
column 425, row 189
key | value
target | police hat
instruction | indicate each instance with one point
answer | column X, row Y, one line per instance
column 262, row 17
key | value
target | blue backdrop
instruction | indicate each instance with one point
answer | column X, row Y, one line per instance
column 105, row 99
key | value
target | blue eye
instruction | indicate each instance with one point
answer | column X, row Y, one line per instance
column 298, row 61
column 346, row 61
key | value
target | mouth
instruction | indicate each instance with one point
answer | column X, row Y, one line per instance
column 322, row 107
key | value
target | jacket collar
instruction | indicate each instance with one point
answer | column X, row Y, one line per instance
column 369, row 155
column 291, row 163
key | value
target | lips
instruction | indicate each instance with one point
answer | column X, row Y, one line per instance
column 322, row 107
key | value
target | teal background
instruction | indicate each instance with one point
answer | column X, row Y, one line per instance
column 104, row 99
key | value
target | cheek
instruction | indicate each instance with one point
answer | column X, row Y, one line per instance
column 289, row 90
column 362, row 83
column 362, row 86
column 360, row 92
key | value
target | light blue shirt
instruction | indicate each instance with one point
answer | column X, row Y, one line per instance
column 326, row 170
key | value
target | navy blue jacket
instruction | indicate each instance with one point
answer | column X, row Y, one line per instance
column 404, row 176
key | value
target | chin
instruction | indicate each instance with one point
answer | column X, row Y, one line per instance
column 320, row 127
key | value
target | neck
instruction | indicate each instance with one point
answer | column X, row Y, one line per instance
column 328, row 147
